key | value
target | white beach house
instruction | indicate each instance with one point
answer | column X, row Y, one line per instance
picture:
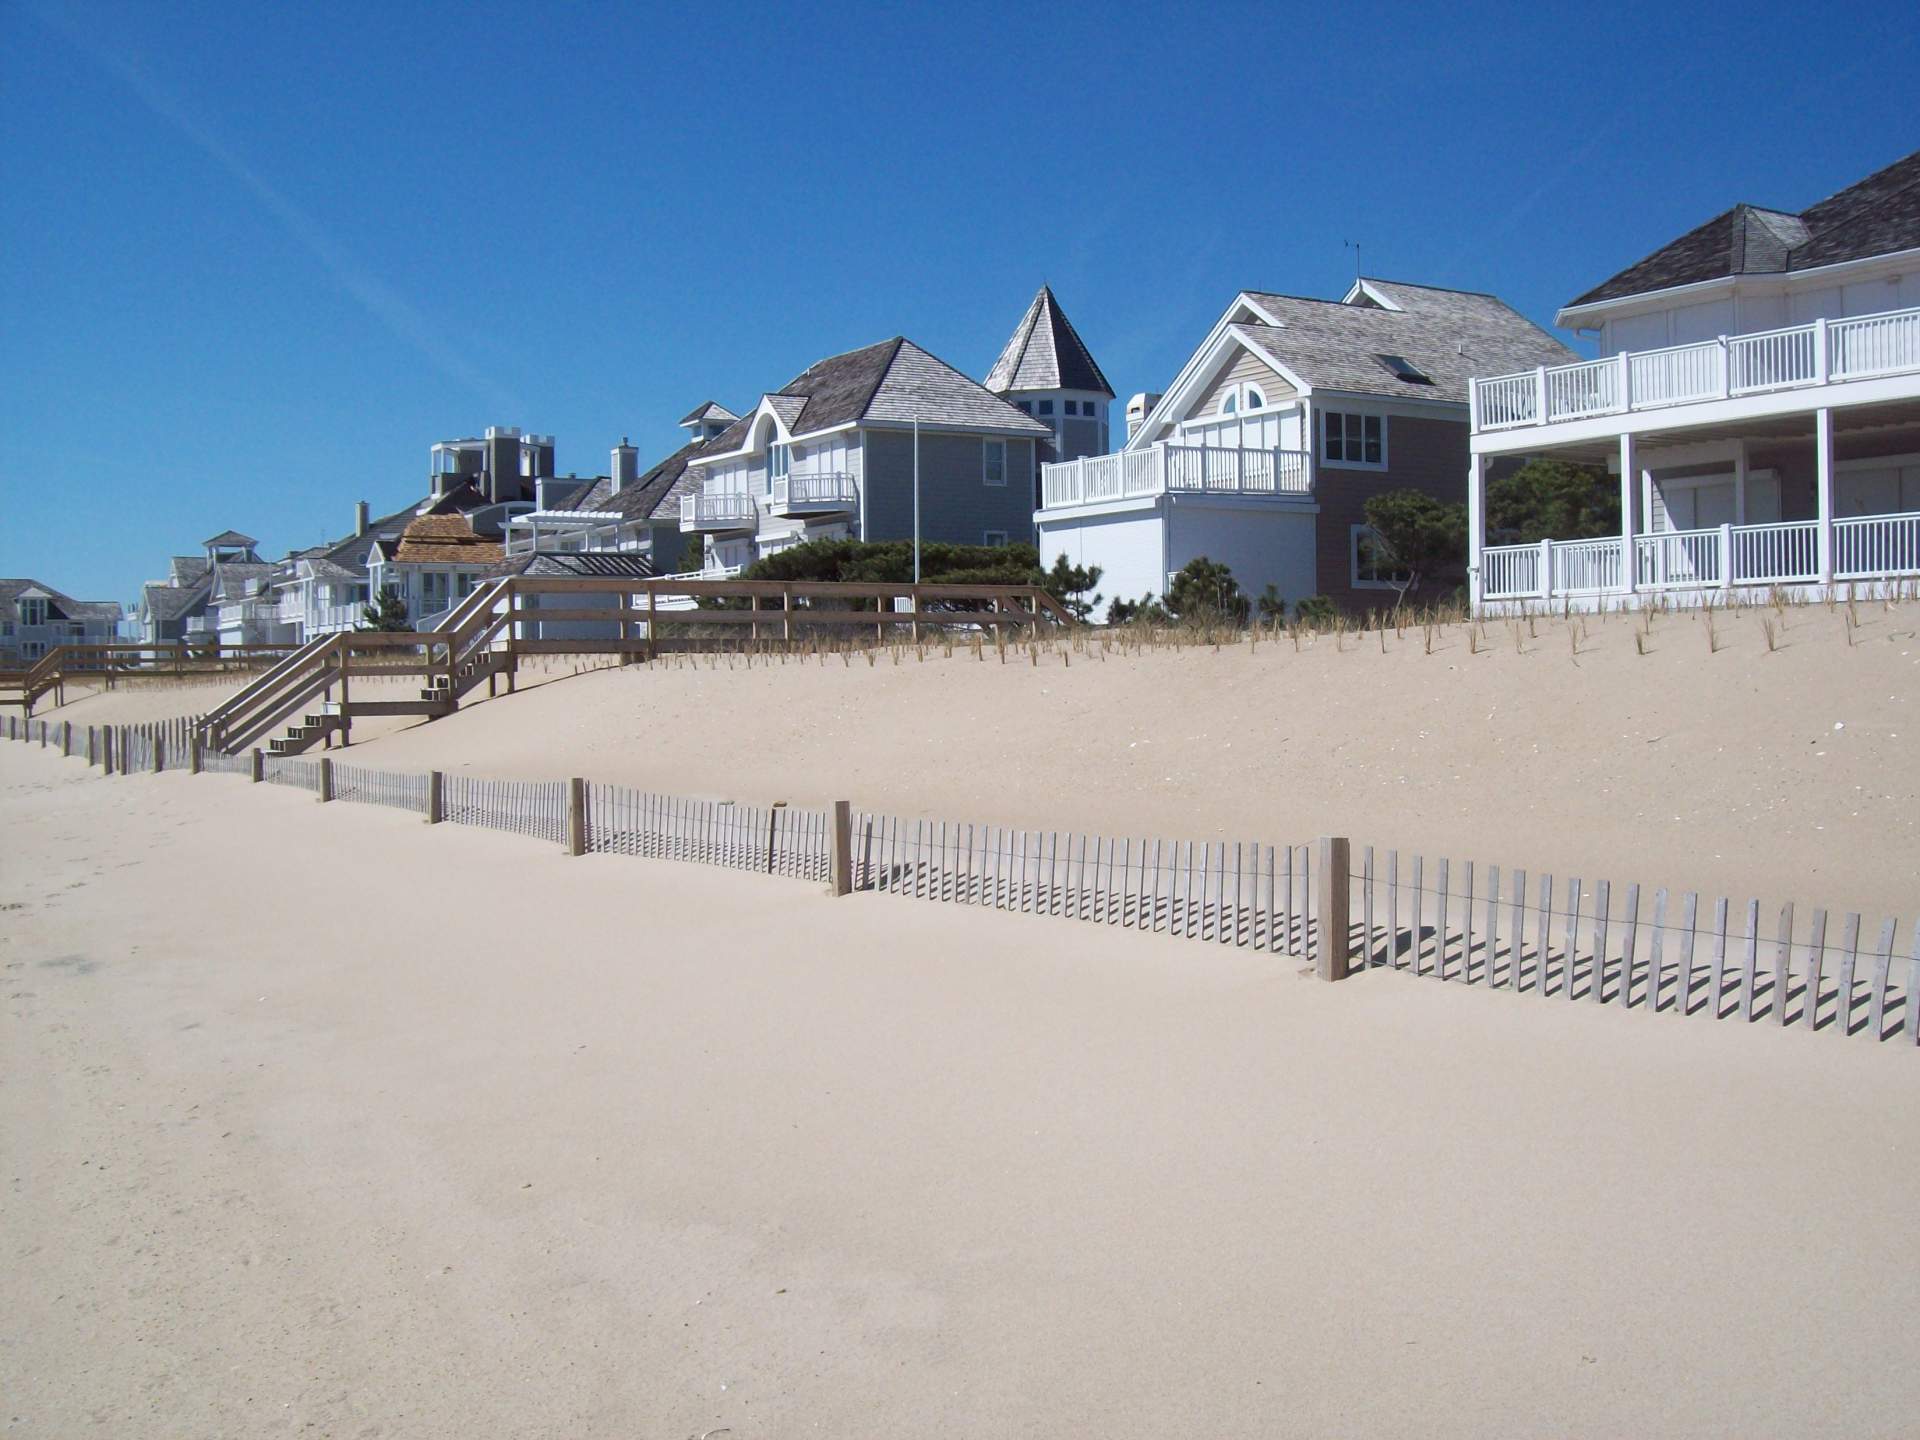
column 1286, row 419
column 1757, row 398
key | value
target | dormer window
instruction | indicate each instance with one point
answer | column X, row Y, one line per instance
column 33, row 610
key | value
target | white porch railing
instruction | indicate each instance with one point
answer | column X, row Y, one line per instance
column 1209, row 469
column 719, row 510
column 1823, row 353
column 830, row 490
column 1866, row 547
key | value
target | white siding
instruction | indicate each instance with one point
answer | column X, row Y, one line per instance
column 1127, row 548
column 1261, row 545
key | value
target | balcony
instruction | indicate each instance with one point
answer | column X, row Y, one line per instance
column 830, row 493
column 1176, row 469
column 718, row 512
column 1801, row 357
column 1747, row 557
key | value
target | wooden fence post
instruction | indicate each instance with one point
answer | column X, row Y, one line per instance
column 92, row 755
column 194, row 758
column 106, row 750
column 576, row 816
column 259, row 765
column 842, row 848
column 436, row 807
column 1335, row 954
column 326, row 779
column 159, row 751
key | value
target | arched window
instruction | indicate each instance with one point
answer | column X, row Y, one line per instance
column 1229, row 402
column 1255, row 400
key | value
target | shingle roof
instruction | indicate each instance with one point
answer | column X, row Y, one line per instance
column 1449, row 335
column 1046, row 353
column 59, row 606
column 619, row 564
column 894, row 380
column 445, row 540
column 652, row 491
column 1875, row 216
column 185, row 569
column 170, row 602
column 709, row 410
column 227, row 538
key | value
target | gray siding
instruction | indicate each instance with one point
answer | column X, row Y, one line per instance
column 955, row 504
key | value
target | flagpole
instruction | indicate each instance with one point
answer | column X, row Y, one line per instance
column 916, row 496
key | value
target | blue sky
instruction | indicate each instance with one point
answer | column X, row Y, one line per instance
column 255, row 259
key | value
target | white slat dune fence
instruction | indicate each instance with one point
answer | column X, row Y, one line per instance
column 1541, row 936
column 1677, row 954
column 1238, row 893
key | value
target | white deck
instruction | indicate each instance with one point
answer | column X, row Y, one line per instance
column 1163, row 468
column 1822, row 355
column 1872, row 548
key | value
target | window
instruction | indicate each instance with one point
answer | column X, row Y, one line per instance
column 33, row 610
column 1229, row 403
column 994, row 537
column 1350, row 439
column 1255, row 400
column 993, row 462
column 1369, row 565
column 33, row 649
column 1045, row 407
column 779, row 463
column 1025, row 406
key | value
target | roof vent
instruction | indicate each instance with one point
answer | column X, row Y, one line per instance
column 1401, row 368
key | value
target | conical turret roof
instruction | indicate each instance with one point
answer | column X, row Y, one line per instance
column 1046, row 353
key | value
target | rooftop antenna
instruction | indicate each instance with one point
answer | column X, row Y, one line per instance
column 1354, row 245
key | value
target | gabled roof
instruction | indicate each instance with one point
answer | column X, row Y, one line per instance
column 170, row 602
column 227, row 539
column 1046, row 353
column 1447, row 335
column 186, row 569
column 59, row 606
column 894, row 381
column 1879, row 215
column 710, row 410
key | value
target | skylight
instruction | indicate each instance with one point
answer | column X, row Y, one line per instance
column 1401, row 368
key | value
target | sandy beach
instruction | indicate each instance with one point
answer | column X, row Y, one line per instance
column 319, row 1121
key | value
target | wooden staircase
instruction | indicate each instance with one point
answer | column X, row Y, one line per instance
column 453, row 658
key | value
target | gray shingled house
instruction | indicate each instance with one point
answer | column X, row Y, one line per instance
column 36, row 618
column 835, row 450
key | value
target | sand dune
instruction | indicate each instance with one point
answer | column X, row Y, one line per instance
column 1791, row 774
column 322, row 1121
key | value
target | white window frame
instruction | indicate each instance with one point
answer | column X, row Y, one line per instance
column 1253, row 398
column 33, row 610
column 987, row 537
column 987, row 448
column 1354, row 535
column 1327, row 417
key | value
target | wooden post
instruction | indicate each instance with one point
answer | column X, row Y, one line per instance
column 194, row 760
column 92, row 752
column 786, row 617
column 436, row 805
column 1335, row 953
column 326, row 779
column 842, row 848
column 106, row 750
column 576, row 816
column 259, row 765
column 159, row 750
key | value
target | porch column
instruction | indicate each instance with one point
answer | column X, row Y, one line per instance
column 1629, row 478
column 1740, row 483
column 1823, row 490
column 1476, row 526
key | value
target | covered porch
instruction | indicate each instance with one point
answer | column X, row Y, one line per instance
column 1811, row 502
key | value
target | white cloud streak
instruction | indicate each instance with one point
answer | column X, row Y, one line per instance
column 400, row 317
